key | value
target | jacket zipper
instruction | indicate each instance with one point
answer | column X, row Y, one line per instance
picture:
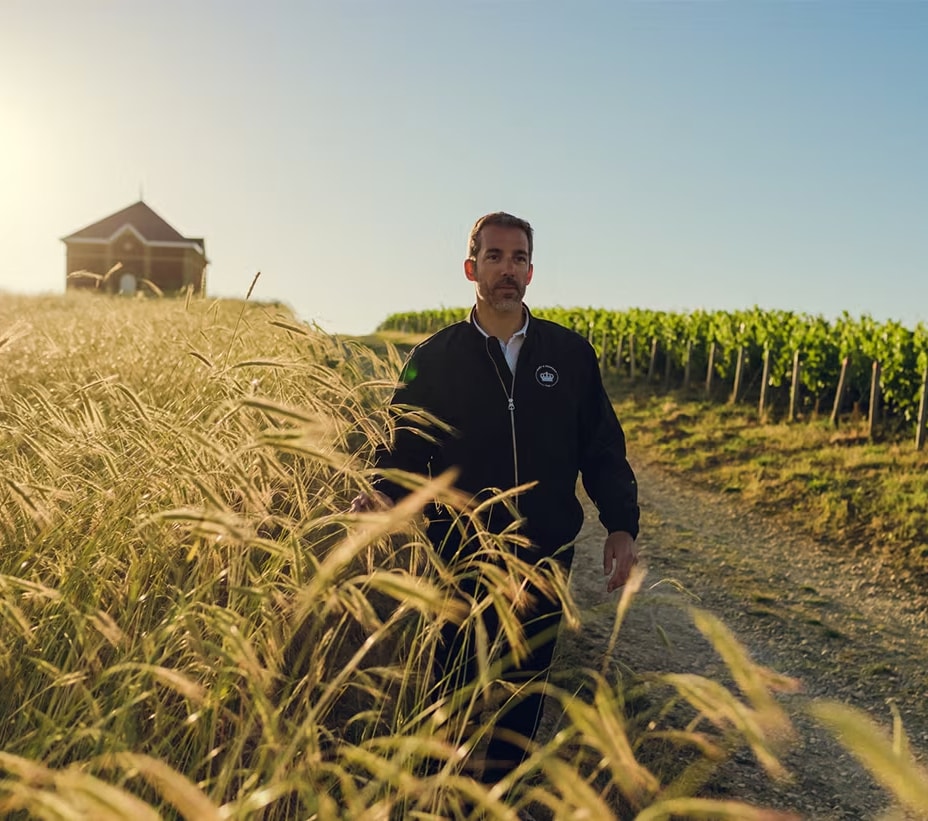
column 510, row 393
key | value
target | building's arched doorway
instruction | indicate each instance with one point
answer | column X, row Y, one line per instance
column 128, row 284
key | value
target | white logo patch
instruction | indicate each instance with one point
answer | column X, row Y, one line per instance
column 546, row 375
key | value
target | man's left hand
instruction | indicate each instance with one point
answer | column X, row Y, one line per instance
column 620, row 555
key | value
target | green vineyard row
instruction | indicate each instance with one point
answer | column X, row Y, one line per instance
column 822, row 345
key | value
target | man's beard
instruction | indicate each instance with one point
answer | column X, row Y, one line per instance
column 509, row 302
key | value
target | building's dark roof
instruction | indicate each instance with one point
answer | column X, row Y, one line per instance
column 152, row 227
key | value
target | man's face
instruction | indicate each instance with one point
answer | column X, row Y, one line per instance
column 502, row 268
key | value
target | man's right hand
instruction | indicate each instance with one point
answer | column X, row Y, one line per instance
column 620, row 555
column 368, row 502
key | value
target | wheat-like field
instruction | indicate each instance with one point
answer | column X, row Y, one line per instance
column 192, row 625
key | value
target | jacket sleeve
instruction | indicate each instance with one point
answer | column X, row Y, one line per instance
column 607, row 476
column 413, row 444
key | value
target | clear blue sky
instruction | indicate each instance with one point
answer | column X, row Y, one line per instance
column 670, row 155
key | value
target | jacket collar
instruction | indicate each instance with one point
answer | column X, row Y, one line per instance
column 472, row 319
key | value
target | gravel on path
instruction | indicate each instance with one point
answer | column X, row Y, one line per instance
column 838, row 621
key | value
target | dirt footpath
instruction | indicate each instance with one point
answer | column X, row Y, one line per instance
column 839, row 623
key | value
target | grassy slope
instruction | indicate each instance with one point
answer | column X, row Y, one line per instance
column 832, row 484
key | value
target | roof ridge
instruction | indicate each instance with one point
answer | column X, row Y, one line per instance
column 150, row 225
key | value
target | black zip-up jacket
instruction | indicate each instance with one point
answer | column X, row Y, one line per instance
column 548, row 423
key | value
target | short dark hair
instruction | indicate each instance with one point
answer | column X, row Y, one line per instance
column 504, row 220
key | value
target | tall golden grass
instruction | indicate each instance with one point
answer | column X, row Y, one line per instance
column 192, row 625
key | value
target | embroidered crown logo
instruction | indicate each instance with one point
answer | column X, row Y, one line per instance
column 547, row 376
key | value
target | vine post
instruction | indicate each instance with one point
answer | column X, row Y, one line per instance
column 765, row 378
column 710, row 368
column 631, row 357
column 873, row 415
column 922, row 413
column 739, row 370
column 794, row 387
column 839, row 394
column 618, row 352
column 688, row 367
column 652, row 363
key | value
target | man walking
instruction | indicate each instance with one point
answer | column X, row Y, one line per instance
column 524, row 402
